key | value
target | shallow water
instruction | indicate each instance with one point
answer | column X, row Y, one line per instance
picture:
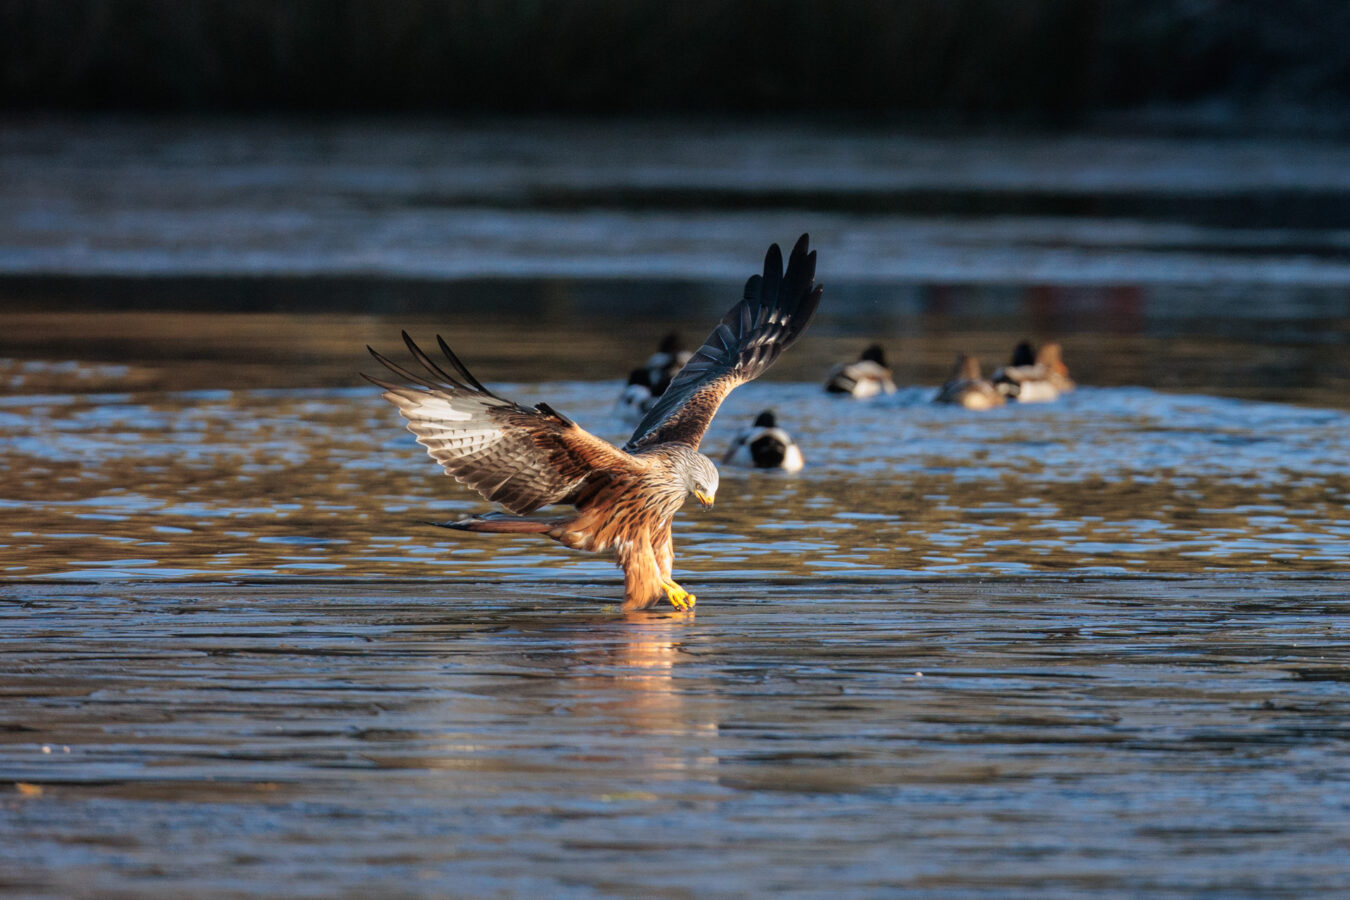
column 939, row 660
column 1043, row 738
column 1094, row 647
column 236, row 484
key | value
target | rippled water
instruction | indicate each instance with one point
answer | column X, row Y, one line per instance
column 244, row 483
column 1089, row 648
column 890, row 683
column 1037, row 738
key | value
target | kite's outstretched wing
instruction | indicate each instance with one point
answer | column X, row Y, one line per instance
column 521, row 458
column 775, row 310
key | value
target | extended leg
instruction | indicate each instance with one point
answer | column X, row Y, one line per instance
column 664, row 548
column 643, row 586
column 644, row 582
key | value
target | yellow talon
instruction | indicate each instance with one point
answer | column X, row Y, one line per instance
column 678, row 596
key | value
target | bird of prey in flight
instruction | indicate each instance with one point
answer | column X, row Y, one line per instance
column 623, row 499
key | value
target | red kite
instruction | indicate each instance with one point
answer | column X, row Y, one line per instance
column 624, row 499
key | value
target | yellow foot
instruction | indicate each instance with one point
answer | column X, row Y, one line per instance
column 678, row 596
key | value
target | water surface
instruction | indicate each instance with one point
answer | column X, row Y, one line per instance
column 233, row 484
column 1095, row 647
column 1042, row 738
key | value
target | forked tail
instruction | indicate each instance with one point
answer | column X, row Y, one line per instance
column 501, row 523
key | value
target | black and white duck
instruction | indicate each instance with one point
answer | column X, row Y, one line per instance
column 651, row 380
column 666, row 362
column 868, row 376
column 1034, row 376
column 764, row 445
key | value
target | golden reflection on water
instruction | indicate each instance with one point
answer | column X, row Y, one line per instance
column 108, row 473
column 637, row 691
column 616, row 678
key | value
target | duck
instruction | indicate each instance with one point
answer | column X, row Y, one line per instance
column 666, row 362
column 764, row 445
column 1034, row 376
column 866, row 377
column 649, row 382
column 636, row 399
column 967, row 388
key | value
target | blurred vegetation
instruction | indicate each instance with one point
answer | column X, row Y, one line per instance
column 1053, row 59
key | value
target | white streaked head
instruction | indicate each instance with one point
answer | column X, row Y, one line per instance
column 701, row 479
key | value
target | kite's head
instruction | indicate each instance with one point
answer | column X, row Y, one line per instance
column 701, row 479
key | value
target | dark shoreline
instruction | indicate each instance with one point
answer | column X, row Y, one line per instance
column 1056, row 62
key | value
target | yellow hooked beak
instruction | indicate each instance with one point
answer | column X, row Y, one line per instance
column 705, row 499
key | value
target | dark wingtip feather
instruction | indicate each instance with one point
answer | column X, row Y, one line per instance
column 402, row 372
column 773, row 273
column 773, row 260
column 427, row 362
column 377, row 382
column 460, row 367
column 439, row 380
column 752, row 287
column 809, row 305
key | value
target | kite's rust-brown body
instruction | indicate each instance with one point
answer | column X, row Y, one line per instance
column 625, row 499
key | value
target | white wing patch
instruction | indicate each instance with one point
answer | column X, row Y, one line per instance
column 433, row 409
